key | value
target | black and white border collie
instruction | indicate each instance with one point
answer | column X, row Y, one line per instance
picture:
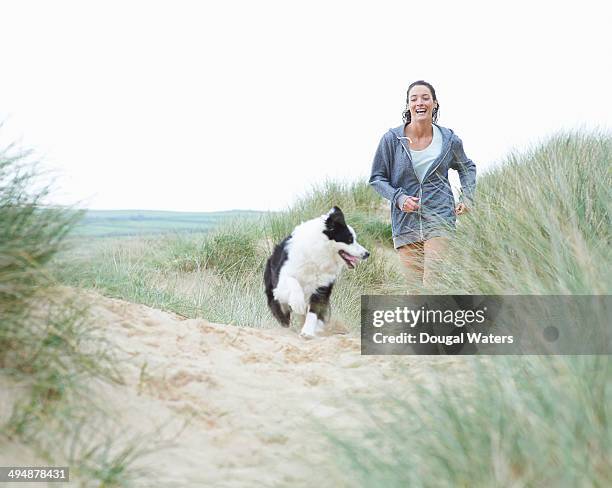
column 303, row 268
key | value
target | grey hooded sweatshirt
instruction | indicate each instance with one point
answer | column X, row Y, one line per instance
column 394, row 178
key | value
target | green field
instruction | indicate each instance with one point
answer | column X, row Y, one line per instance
column 114, row 223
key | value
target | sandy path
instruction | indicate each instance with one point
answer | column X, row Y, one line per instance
column 257, row 399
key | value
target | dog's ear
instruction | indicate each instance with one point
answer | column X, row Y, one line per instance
column 335, row 217
column 336, row 228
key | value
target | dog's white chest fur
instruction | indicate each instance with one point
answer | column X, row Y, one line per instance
column 311, row 275
column 311, row 263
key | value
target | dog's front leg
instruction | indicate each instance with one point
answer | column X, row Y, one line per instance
column 311, row 326
column 296, row 299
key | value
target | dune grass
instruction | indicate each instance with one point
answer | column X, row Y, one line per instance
column 31, row 234
column 541, row 224
column 528, row 421
column 49, row 353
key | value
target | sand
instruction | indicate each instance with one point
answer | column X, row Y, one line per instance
column 243, row 406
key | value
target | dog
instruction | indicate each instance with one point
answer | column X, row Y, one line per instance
column 301, row 272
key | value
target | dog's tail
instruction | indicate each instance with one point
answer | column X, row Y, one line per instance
column 270, row 281
column 283, row 317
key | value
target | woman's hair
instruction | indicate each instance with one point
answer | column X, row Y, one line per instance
column 434, row 115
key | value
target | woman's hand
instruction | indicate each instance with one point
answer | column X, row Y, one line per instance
column 461, row 209
column 411, row 204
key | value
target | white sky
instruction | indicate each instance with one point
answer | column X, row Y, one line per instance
column 202, row 106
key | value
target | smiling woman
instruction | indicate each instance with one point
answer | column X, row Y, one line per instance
column 410, row 169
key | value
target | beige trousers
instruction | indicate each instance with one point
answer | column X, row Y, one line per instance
column 419, row 258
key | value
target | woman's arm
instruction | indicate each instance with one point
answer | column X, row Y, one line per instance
column 466, row 169
column 381, row 169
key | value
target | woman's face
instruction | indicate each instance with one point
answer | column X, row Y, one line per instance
column 421, row 103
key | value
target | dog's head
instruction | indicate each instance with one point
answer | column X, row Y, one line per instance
column 343, row 238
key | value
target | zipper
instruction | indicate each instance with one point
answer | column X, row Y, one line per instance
column 421, row 211
column 430, row 173
column 424, row 178
column 420, row 187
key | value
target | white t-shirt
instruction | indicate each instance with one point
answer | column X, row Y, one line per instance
column 421, row 160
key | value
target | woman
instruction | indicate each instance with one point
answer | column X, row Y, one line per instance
column 410, row 169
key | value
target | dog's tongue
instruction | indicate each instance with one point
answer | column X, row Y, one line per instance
column 350, row 258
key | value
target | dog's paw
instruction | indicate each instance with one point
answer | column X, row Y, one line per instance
column 306, row 337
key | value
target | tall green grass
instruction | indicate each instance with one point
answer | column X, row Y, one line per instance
column 31, row 232
column 49, row 353
column 541, row 223
column 524, row 421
